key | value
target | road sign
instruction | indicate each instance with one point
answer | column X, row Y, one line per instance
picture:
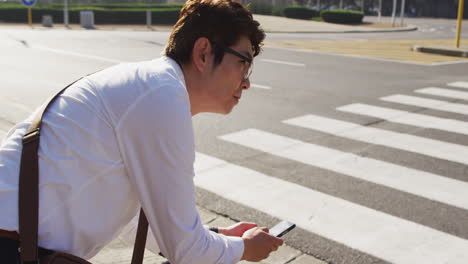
column 28, row 3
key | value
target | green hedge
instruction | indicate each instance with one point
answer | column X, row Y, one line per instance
column 342, row 16
column 260, row 7
column 300, row 12
column 118, row 16
column 265, row 8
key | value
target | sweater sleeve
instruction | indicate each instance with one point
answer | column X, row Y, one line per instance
column 156, row 141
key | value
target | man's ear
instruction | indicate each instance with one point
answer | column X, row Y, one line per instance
column 201, row 54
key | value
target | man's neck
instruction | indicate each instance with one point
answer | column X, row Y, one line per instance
column 194, row 86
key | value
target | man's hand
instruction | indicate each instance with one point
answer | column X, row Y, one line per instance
column 237, row 229
column 258, row 244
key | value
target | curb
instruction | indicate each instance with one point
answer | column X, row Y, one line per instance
column 447, row 51
column 406, row 29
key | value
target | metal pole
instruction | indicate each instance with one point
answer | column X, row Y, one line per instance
column 148, row 14
column 65, row 13
column 394, row 12
column 29, row 16
column 148, row 17
column 341, row 4
column 318, row 5
column 459, row 21
column 362, row 7
column 402, row 12
column 380, row 11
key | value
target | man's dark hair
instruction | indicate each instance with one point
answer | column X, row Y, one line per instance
column 223, row 22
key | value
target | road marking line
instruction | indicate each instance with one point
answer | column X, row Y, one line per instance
column 348, row 56
column 427, row 103
column 369, row 58
column 459, row 84
column 449, row 63
column 77, row 54
column 253, row 85
column 407, row 118
column 285, row 62
column 371, row 135
column 385, row 236
column 444, row 93
column 424, row 184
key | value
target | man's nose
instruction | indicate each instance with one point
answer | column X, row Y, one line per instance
column 246, row 84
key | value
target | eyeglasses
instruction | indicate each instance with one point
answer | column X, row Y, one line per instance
column 247, row 71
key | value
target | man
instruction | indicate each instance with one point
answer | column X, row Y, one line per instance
column 122, row 138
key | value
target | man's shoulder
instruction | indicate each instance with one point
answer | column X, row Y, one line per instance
column 160, row 71
column 155, row 86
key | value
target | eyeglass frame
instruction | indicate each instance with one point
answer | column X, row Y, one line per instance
column 248, row 72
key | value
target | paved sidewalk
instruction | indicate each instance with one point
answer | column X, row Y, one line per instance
column 269, row 23
column 119, row 253
column 389, row 49
column 285, row 25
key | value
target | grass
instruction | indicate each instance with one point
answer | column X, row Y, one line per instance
column 318, row 19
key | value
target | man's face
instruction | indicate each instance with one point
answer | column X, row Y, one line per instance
column 228, row 78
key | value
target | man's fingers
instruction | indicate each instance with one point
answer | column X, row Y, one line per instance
column 274, row 248
column 248, row 226
column 280, row 241
column 248, row 223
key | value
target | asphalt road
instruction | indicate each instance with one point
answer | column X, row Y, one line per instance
column 373, row 191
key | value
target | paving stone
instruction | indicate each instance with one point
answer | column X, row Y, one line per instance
column 205, row 215
column 119, row 252
column 124, row 256
column 284, row 254
column 307, row 259
column 222, row 222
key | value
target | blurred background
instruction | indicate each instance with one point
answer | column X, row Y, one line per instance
column 166, row 11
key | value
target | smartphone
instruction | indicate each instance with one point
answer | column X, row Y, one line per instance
column 282, row 228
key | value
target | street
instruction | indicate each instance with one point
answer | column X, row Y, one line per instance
column 369, row 157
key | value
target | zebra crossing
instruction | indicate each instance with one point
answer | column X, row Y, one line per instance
column 444, row 93
column 440, row 105
column 382, row 235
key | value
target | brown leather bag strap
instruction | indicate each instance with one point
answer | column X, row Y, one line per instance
column 28, row 200
column 28, row 203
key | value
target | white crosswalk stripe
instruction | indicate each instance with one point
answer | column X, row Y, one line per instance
column 284, row 62
column 428, row 185
column 407, row 118
column 444, row 93
column 427, row 103
column 411, row 143
column 253, row 85
column 385, row 236
column 459, row 84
